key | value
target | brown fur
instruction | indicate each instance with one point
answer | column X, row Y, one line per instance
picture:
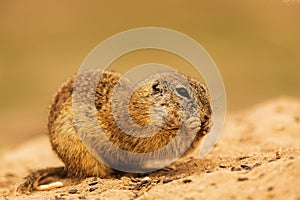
column 78, row 160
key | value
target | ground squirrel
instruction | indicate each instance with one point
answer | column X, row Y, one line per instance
column 162, row 91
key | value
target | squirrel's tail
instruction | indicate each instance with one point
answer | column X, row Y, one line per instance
column 43, row 179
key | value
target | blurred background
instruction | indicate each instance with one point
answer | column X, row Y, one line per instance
column 255, row 44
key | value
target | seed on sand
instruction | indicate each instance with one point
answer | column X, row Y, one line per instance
column 50, row 186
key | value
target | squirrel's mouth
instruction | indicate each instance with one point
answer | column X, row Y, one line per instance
column 175, row 127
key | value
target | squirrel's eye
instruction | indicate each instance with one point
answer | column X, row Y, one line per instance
column 183, row 92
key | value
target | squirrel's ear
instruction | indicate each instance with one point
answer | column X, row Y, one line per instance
column 156, row 87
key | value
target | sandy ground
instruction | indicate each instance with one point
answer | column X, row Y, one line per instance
column 257, row 157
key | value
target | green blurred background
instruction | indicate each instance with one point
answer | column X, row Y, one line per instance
column 255, row 43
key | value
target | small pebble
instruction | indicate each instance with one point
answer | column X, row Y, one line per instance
column 73, row 191
column 236, row 169
column 256, row 165
column 93, row 189
column 278, row 154
column 187, row 181
column 246, row 167
column 93, row 183
column 243, row 179
column 146, row 180
column 156, row 181
column 59, row 198
column 270, row 188
column 243, row 157
column 291, row 157
column 222, row 166
column 82, row 197
column 166, row 180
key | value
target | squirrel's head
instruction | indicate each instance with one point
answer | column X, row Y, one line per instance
column 167, row 100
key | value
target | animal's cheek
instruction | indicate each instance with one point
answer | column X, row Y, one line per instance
column 158, row 115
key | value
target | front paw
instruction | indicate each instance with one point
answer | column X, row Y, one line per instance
column 193, row 124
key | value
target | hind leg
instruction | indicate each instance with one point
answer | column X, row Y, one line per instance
column 44, row 179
